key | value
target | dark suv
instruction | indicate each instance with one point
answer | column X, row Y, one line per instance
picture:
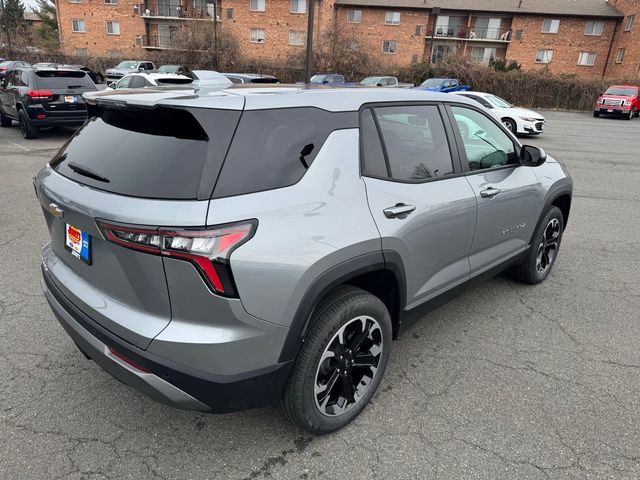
column 47, row 97
column 220, row 250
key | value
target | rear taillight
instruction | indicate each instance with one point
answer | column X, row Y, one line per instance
column 40, row 93
column 4, row 69
column 207, row 249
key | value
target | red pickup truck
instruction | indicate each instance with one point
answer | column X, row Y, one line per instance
column 621, row 100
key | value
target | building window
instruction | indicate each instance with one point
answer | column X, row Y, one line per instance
column 389, row 46
column 296, row 38
column 414, row 58
column 586, row 59
column 111, row 2
column 257, row 35
column 75, row 1
column 620, row 55
column 298, row 6
column 418, row 29
column 594, row 28
column 257, row 5
column 550, row 25
column 354, row 16
column 518, row 34
column 392, row 18
column 230, row 13
column 81, row 52
column 113, row 28
column 77, row 26
column 629, row 23
column 353, row 45
column 544, row 56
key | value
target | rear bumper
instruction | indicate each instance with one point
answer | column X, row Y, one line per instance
column 160, row 378
column 74, row 118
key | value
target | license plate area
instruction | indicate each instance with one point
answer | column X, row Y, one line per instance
column 78, row 243
column 71, row 98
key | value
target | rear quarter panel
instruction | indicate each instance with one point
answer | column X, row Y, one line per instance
column 304, row 230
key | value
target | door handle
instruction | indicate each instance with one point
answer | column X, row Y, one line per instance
column 398, row 210
column 489, row 192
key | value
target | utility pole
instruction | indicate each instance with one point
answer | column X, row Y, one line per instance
column 309, row 60
column 215, row 33
column 2, row 13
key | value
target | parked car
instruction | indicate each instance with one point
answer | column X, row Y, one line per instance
column 621, row 100
column 8, row 65
column 45, row 65
column 40, row 98
column 127, row 67
column 141, row 80
column 97, row 77
column 444, row 85
column 384, row 82
column 520, row 121
column 177, row 69
column 201, row 251
column 250, row 78
column 328, row 79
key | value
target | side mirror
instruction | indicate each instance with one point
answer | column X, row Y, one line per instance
column 531, row 156
column 111, row 84
column 141, row 69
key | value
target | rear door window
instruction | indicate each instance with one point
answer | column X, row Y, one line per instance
column 274, row 148
column 415, row 141
column 137, row 81
column 63, row 79
column 160, row 153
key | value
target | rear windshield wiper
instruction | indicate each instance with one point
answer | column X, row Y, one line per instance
column 87, row 172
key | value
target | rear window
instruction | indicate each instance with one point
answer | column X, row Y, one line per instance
column 264, row 80
column 274, row 148
column 62, row 79
column 163, row 153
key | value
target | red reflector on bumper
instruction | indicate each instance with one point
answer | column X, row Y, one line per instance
column 40, row 116
column 134, row 364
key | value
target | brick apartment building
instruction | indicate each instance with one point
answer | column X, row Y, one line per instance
column 591, row 38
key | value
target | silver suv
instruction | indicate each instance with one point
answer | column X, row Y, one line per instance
column 221, row 250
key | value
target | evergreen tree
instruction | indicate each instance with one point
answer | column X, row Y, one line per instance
column 46, row 35
column 12, row 16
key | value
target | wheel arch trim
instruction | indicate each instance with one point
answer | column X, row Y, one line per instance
column 332, row 278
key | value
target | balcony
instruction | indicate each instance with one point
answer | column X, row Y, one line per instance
column 176, row 10
column 158, row 42
column 482, row 34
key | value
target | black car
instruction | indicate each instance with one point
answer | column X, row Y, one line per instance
column 40, row 98
column 177, row 69
column 250, row 78
column 10, row 65
column 97, row 77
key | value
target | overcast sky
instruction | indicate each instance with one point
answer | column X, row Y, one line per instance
column 28, row 4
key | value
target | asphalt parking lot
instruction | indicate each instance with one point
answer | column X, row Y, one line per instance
column 505, row 382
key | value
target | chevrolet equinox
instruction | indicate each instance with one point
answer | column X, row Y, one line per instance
column 222, row 250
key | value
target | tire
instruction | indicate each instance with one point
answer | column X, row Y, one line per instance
column 28, row 131
column 328, row 352
column 638, row 113
column 596, row 114
column 511, row 125
column 4, row 120
column 543, row 253
column 629, row 116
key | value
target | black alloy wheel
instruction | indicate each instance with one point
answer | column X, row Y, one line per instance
column 348, row 366
column 548, row 247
